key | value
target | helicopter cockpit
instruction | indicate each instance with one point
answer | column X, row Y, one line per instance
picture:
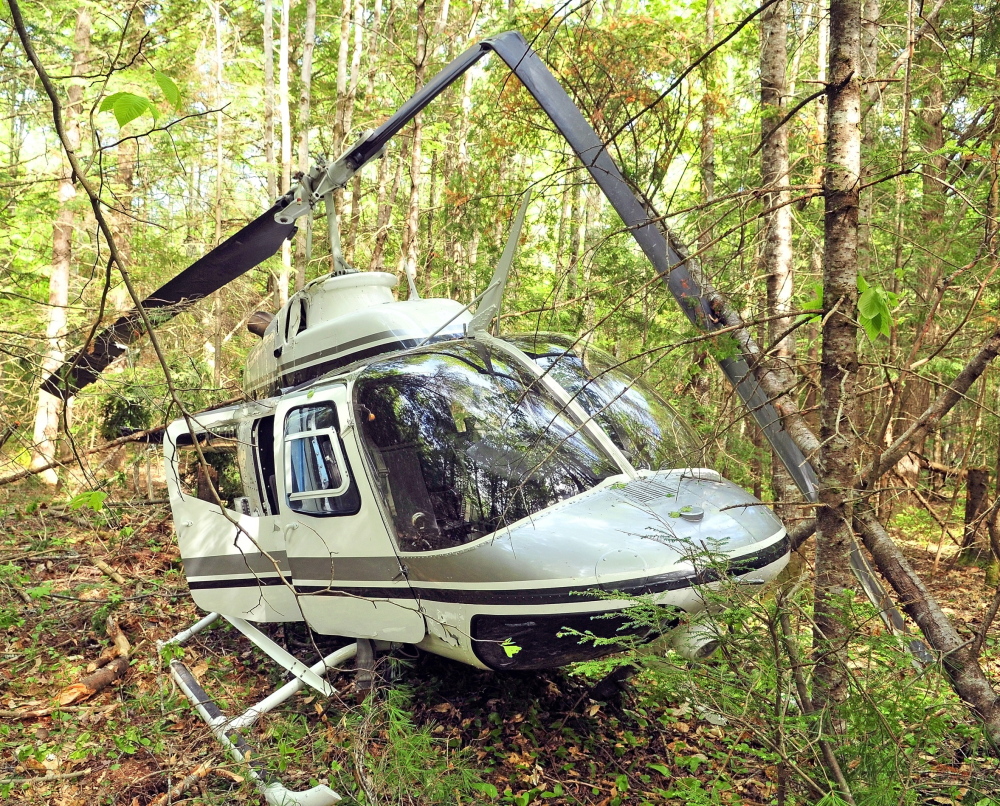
column 464, row 441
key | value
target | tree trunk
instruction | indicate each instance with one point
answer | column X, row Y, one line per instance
column 411, row 227
column 284, row 114
column 869, row 63
column 386, row 203
column 48, row 410
column 699, row 385
column 839, row 360
column 272, row 177
column 956, row 653
column 213, row 315
column 916, row 393
column 974, row 549
column 308, row 43
column 776, row 257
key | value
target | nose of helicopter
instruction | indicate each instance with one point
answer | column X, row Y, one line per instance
column 641, row 534
column 662, row 532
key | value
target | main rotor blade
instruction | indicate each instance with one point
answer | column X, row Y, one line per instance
column 253, row 244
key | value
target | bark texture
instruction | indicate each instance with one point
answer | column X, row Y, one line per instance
column 839, row 358
column 776, row 252
column 49, row 408
column 284, row 113
column 305, row 97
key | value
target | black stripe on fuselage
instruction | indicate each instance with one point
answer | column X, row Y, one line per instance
column 661, row 583
column 275, row 382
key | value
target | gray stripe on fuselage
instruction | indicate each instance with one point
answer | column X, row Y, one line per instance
column 360, row 569
column 226, row 564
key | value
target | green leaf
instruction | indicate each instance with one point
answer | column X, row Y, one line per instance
column 663, row 769
column 487, row 789
column 91, row 498
column 510, row 647
column 168, row 88
column 126, row 106
column 869, row 304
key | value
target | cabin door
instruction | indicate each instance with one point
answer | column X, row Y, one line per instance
column 227, row 531
column 341, row 556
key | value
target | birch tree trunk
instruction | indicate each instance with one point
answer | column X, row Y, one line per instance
column 286, row 144
column 49, row 408
column 272, row 177
column 371, row 51
column 212, row 319
column 308, row 43
column 412, row 224
column 839, row 360
column 776, row 255
column 699, row 384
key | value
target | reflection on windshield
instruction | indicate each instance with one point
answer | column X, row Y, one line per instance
column 643, row 426
column 464, row 444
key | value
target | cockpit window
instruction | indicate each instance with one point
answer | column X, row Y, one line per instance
column 317, row 478
column 465, row 442
column 643, row 426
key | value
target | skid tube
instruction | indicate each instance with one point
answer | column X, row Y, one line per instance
column 227, row 729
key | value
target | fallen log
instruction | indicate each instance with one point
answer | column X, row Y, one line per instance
column 109, row 668
column 199, row 773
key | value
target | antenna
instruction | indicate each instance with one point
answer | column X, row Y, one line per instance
column 493, row 296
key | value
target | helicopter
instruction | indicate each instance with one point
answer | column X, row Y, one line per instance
column 399, row 474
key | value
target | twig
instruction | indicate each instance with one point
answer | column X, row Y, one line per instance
column 57, row 776
column 200, row 772
column 107, row 569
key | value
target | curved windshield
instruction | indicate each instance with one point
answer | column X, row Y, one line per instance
column 643, row 425
column 463, row 444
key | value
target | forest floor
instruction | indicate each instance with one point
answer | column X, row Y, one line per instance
column 439, row 733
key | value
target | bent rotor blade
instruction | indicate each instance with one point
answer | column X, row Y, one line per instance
column 253, row 244
column 694, row 299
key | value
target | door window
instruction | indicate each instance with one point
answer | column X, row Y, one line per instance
column 317, row 478
column 219, row 474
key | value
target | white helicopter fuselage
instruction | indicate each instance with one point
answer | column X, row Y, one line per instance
column 464, row 495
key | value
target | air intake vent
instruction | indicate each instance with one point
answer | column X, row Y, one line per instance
column 646, row 491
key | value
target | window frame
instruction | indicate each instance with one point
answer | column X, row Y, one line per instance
column 348, row 482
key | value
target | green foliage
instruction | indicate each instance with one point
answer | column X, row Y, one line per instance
column 92, row 499
column 875, row 309
column 399, row 758
column 128, row 409
column 898, row 724
column 168, row 88
column 127, row 106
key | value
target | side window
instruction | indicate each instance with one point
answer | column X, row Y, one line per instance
column 263, row 441
column 295, row 322
column 317, row 478
column 221, row 469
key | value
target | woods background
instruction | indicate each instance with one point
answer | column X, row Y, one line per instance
column 190, row 118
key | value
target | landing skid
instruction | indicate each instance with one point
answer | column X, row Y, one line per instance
column 227, row 728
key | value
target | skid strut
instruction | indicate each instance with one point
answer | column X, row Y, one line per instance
column 227, row 729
